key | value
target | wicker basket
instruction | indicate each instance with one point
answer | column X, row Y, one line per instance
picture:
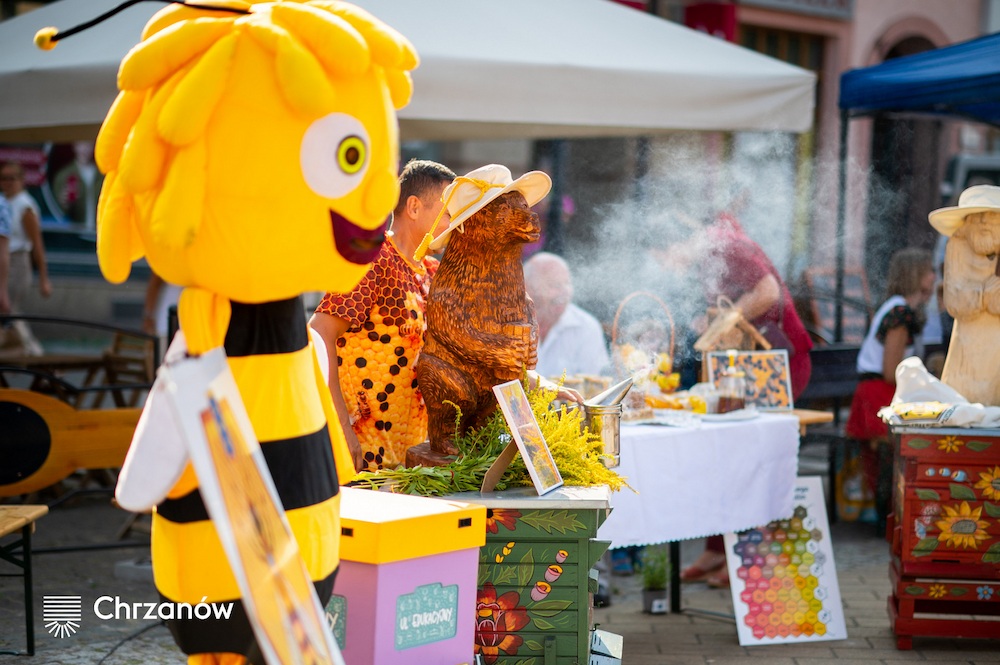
column 620, row 347
column 728, row 329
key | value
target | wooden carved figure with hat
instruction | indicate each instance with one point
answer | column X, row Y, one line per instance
column 972, row 292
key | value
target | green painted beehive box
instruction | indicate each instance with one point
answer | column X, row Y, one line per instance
column 534, row 597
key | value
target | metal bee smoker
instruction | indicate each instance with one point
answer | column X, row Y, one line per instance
column 603, row 416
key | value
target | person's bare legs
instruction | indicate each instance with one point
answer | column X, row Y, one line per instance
column 711, row 560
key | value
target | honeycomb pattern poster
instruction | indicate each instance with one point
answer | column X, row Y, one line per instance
column 784, row 581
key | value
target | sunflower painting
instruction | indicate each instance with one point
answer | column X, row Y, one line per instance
column 989, row 483
column 949, row 444
column 961, row 526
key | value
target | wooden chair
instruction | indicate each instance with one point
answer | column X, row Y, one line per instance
column 831, row 386
column 129, row 361
column 820, row 287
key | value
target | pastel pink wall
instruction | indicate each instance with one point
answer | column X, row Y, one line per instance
column 877, row 26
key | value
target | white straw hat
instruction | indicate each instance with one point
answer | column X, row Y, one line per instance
column 978, row 198
column 472, row 192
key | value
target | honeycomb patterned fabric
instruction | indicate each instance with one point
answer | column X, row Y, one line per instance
column 376, row 357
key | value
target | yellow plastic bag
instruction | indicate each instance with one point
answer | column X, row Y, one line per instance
column 855, row 500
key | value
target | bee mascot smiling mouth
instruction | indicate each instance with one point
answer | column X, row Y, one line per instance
column 251, row 156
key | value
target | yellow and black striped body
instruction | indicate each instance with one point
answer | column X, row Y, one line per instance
column 272, row 362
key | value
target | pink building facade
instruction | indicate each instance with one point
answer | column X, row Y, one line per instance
column 861, row 33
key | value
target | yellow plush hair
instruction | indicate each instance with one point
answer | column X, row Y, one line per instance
column 253, row 156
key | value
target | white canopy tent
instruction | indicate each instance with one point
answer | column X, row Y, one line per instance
column 507, row 69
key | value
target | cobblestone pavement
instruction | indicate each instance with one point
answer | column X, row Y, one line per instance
column 692, row 638
column 87, row 521
column 685, row 638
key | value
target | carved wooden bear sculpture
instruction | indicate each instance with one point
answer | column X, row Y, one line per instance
column 481, row 327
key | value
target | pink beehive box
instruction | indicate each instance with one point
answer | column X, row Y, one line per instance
column 406, row 590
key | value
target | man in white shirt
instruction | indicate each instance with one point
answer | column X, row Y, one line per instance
column 571, row 341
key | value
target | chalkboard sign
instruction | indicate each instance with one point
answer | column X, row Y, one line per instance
column 428, row 615
column 822, row 283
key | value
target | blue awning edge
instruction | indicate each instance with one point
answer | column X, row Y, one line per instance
column 961, row 80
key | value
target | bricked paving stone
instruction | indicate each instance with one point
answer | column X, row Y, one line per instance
column 862, row 563
column 854, row 641
column 863, row 590
column 878, row 655
column 155, row 647
column 813, row 650
column 742, row 661
column 716, row 648
column 90, row 575
column 865, row 599
column 867, row 627
column 832, row 661
column 663, row 659
column 673, row 634
column 932, row 658
column 990, row 646
column 683, row 639
column 937, row 644
column 984, row 652
column 939, row 659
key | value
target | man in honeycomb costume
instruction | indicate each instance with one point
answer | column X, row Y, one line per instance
column 374, row 333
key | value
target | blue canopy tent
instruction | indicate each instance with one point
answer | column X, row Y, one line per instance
column 961, row 81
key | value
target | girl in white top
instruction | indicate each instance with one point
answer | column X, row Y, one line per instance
column 895, row 331
column 892, row 315
column 893, row 335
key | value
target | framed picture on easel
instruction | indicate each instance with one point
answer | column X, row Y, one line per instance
column 530, row 443
column 769, row 383
column 240, row 496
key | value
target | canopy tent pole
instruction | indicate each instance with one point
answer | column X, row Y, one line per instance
column 555, row 241
column 838, row 316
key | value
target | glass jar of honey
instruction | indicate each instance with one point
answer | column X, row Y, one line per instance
column 732, row 387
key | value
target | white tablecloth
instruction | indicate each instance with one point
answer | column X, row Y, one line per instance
column 696, row 482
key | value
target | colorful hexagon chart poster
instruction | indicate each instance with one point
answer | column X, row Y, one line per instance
column 784, row 581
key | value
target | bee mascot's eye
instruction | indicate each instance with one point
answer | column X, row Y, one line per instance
column 334, row 155
column 351, row 155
